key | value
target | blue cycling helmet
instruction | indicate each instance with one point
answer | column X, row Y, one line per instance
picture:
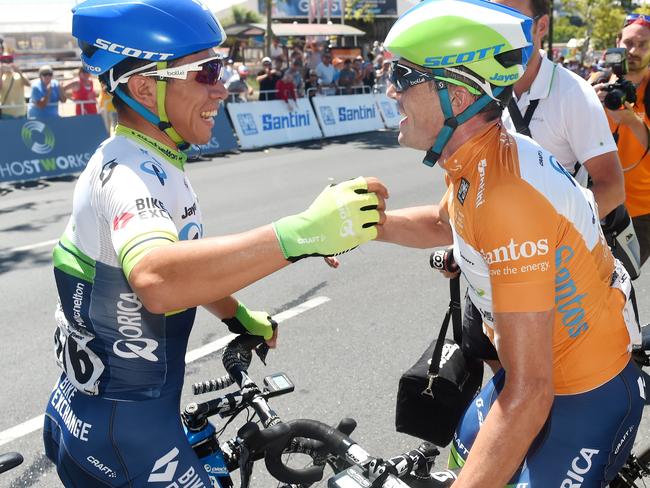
column 110, row 31
column 154, row 31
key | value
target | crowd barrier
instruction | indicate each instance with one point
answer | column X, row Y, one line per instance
column 347, row 114
column 36, row 149
column 263, row 124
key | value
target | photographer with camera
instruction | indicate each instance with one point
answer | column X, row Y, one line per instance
column 624, row 97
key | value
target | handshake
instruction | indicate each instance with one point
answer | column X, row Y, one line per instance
column 342, row 217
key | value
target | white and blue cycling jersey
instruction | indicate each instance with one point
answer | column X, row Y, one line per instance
column 113, row 416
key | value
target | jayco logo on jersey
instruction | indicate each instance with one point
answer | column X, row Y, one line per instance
column 154, row 168
column 131, row 52
column 499, row 77
column 513, row 251
column 191, row 231
column 464, row 57
column 290, row 121
column 129, row 319
column 362, row 112
column 567, row 300
column 580, row 466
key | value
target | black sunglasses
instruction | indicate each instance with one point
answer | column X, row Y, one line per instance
column 404, row 77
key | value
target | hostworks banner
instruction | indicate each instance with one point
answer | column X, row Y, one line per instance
column 36, row 149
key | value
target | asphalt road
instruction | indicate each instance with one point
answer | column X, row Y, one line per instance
column 345, row 356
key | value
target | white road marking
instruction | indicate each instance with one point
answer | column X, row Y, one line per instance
column 34, row 246
column 36, row 423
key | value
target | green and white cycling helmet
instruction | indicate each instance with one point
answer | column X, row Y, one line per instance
column 493, row 41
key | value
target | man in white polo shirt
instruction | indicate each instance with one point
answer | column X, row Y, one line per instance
column 560, row 111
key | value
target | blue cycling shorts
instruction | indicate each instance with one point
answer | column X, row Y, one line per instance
column 585, row 441
column 96, row 442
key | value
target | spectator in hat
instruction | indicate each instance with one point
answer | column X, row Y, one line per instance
column 46, row 95
column 239, row 89
column 267, row 78
column 287, row 90
column 311, row 83
column 326, row 74
column 12, row 89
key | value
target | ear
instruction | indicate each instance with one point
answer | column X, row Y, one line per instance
column 143, row 90
column 460, row 98
column 542, row 26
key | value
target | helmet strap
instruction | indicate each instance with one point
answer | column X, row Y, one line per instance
column 161, row 121
column 452, row 122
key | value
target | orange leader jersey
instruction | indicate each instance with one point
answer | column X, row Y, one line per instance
column 527, row 239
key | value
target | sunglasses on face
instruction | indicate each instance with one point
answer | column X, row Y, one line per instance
column 404, row 77
column 208, row 72
column 637, row 18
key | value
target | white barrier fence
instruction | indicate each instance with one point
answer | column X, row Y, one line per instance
column 347, row 114
column 389, row 110
column 263, row 124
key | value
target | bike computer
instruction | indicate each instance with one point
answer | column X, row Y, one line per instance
column 278, row 384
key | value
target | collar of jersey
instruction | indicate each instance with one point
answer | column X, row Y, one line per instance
column 176, row 158
column 466, row 157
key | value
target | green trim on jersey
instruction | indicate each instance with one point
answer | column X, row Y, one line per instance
column 68, row 258
column 136, row 249
column 176, row 158
column 455, row 461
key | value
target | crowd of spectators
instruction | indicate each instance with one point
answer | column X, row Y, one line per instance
column 305, row 70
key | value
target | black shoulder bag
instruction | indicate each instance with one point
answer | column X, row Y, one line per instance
column 434, row 393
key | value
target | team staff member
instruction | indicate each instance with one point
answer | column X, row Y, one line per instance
column 630, row 127
column 132, row 266
column 563, row 115
column 529, row 243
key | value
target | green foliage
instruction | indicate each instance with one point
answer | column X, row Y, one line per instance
column 602, row 20
column 359, row 10
column 241, row 15
column 563, row 30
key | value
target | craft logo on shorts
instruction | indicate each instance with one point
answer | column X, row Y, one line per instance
column 38, row 137
column 327, row 115
column 247, row 124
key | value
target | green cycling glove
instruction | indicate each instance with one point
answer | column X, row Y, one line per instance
column 341, row 218
column 250, row 322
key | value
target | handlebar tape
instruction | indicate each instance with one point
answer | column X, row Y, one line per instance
column 332, row 439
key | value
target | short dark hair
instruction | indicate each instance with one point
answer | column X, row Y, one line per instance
column 492, row 110
column 539, row 7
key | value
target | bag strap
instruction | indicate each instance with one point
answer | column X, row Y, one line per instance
column 11, row 85
column 453, row 313
column 522, row 122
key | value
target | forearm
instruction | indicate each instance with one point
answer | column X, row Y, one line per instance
column 639, row 129
column 607, row 196
column 224, row 308
column 419, row 227
column 191, row 273
column 505, row 437
column 608, row 184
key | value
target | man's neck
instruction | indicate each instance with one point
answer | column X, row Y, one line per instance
column 526, row 81
column 462, row 134
column 637, row 77
column 136, row 122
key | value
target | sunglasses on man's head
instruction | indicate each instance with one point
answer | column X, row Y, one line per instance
column 637, row 18
column 404, row 77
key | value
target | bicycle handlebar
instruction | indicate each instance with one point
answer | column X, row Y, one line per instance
column 9, row 461
column 332, row 440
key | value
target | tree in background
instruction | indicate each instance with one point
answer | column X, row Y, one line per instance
column 241, row 15
column 601, row 21
column 360, row 10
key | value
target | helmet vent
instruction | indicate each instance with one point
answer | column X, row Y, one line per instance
column 87, row 49
column 509, row 58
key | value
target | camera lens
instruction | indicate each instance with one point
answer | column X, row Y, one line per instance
column 614, row 99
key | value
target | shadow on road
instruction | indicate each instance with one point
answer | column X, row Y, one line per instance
column 33, row 473
column 24, row 259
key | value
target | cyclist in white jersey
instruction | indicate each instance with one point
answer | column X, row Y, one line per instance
column 133, row 263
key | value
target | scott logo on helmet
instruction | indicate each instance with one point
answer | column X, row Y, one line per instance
column 461, row 58
column 131, row 52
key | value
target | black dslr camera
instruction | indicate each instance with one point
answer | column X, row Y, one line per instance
column 621, row 90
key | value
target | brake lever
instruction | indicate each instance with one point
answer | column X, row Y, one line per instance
column 262, row 350
column 245, row 466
